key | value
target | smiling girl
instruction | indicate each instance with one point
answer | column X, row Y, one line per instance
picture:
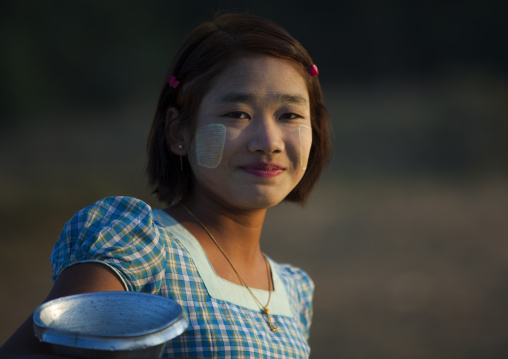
column 240, row 127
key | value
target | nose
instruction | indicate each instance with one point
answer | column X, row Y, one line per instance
column 265, row 136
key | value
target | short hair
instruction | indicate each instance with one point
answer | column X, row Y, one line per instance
column 204, row 54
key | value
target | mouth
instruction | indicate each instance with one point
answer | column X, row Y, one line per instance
column 265, row 170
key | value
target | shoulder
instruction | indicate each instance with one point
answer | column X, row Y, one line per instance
column 297, row 278
column 117, row 206
column 118, row 211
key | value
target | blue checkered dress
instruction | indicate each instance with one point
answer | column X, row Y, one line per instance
column 153, row 253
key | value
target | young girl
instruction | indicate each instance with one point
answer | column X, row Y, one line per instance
column 240, row 127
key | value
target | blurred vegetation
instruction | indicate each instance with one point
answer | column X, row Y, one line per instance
column 405, row 236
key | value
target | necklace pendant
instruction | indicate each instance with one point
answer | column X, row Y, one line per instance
column 266, row 311
column 273, row 328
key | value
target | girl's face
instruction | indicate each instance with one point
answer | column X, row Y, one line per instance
column 253, row 134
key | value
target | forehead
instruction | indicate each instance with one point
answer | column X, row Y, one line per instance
column 259, row 77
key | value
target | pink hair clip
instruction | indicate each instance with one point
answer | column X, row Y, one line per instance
column 313, row 71
column 173, row 82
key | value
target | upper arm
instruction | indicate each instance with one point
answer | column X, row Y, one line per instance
column 84, row 278
column 78, row 278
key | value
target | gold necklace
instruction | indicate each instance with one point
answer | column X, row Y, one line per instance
column 264, row 308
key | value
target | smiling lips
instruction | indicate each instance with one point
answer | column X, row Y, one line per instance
column 263, row 169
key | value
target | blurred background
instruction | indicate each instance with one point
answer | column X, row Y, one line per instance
column 406, row 234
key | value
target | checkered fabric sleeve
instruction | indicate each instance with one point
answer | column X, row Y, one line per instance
column 300, row 287
column 115, row 231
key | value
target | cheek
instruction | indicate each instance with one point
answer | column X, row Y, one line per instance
column 210, row 141
column 302, row 141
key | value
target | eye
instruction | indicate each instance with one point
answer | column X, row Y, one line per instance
column 289, row 116
column 238, row 115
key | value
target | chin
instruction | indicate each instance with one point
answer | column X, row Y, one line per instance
column 262, row 201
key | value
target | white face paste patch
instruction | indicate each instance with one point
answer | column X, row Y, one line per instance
column 210, row 144
column 305, row 137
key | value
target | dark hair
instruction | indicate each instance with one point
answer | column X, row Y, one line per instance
column 204, row 54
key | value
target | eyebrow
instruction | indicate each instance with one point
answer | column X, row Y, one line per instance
column 290, row 99
column 279, row 98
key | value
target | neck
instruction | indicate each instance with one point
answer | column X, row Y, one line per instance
column 237, row 231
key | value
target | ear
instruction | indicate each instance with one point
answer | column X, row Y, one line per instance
column 177, row 132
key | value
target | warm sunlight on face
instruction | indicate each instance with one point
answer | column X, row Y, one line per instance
column 253, row 133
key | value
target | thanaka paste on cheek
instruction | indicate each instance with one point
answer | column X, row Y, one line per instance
column 210, row 145
column 305, row 138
